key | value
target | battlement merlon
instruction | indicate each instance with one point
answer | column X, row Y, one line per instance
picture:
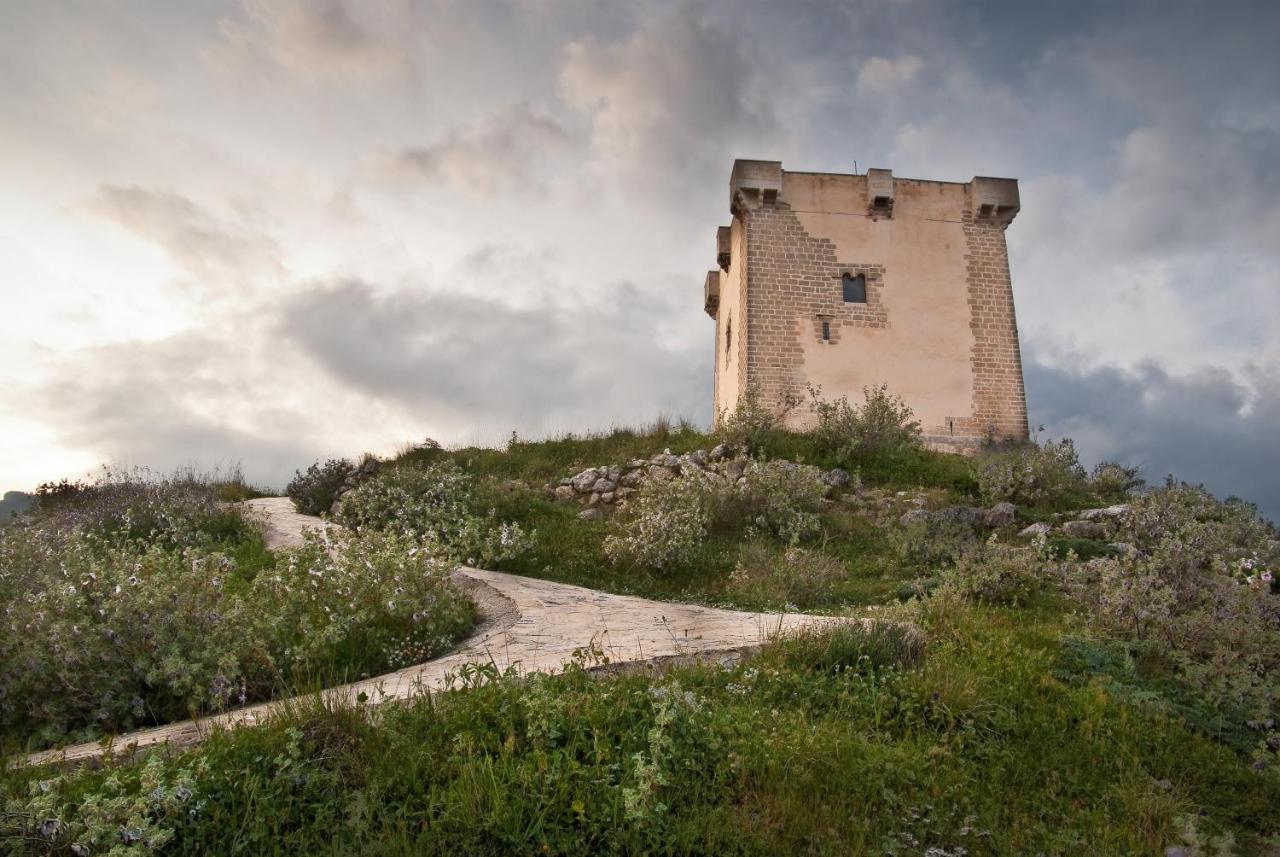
column 752, row 183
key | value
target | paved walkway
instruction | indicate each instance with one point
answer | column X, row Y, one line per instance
column 534, row 623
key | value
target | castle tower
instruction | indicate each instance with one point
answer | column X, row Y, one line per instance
column 848, row 281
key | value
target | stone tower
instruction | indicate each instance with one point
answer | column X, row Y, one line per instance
column 848, row 281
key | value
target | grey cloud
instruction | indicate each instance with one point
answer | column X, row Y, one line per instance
column 497, row 155
column 477, row 363
column 168, row 404
column 203, row 245
column 1209, row 426
column 670, row 100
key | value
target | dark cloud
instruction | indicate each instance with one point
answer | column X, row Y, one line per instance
column 479, row 362
column 206, row 247
column 1209, row 426
column 500, row 154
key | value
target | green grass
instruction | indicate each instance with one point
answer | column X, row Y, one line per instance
column 831, row 745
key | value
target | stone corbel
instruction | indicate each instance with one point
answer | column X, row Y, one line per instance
column 724, row 250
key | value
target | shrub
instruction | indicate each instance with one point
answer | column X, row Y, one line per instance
column 1114, row 481
column 779, row 497
column 101, row 635
column 663, row 526
column 313, row 492
column 436, row 502
column 931, row 541
column 1031, row 475
column 883, row 425
column 1202, row 587
column 796, row 576
column 998, row 573
column 748, row 425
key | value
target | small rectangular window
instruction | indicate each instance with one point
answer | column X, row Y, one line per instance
column 855, row 288
column 826, row 331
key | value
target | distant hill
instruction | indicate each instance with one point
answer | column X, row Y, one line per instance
column 15, row 503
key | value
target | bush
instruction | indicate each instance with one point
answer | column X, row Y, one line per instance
column 664, row 525
column 1201, row 586
column 670, row 518
column 104, row 635
column 796, row 576
column 932, row 541
column 1114, row 481
column 858, row 646
column 998, row 573
column 1031, row 475
column 436, row 503
column 883, row 425
column 748, row 425
column 313, row 492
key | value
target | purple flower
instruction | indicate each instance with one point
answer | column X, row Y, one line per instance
column 1266, row 577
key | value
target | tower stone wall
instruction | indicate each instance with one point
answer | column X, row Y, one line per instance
column 937, row 325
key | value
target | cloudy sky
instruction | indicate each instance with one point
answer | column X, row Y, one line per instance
column 267, row 230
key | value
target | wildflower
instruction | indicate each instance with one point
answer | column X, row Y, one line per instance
column 1266, row 577
column 133, row 580
column 182, row 793
column 49, row 828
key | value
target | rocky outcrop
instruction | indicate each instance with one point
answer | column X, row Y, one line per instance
column 607, row 487
column 368, row 466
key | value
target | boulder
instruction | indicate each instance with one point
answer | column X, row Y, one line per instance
column 584, row 480
column 660, row 473
column 591, row 514
column 604, row 486
column 837, row 478
column 606, row 497
column 1084, row 529
column 1040, row 528
column 735, row 468
column 1000, row 515
column 565, row 492
column 669, row 460
column 614, row 473
column 1110, row 513
column 623, row 493
column 719, row 452
column 632, row 478
column 699, row 457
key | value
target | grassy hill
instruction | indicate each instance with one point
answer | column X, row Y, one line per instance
column 1097, row 674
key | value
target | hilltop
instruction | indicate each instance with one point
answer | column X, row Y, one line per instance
column 1090, row 665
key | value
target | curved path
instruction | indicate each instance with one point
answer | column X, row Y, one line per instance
column 536, row 624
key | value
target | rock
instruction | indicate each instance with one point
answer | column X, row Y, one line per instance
column 591, row 514
column 669, row 460
column 623, row 493
column 688, row 466
column 1000, row 515
column 636, row 462
column 584, row 480
column 719, row 452
column 568, row 480
column 566, row 492
column 1040, row 528
column 614, row 473
column 606, row 497
column 909, row 518
column 660, row 473
column 595, row 499
column 604, row 486
column 735, row 468
column 1084, row 529
column 1110, row 513
column 632, row 478
column 837, row 478
column 699, row 457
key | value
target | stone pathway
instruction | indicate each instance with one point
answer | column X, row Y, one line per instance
column 536, row 624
